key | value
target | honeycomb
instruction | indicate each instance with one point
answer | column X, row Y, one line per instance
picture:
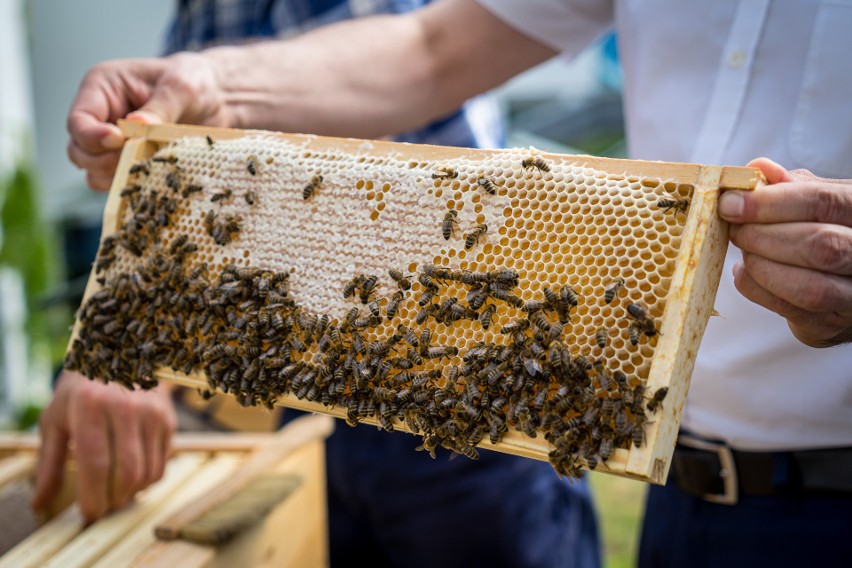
column 521, row 292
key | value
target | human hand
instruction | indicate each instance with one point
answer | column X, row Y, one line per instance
column 796, row 238
column 120, row 441
column 180, row 88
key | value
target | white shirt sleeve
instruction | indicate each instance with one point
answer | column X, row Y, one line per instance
column 565, row 25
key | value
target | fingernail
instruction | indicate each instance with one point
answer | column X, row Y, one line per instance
column 144, row 117
column 112, row 141
column 731, row 205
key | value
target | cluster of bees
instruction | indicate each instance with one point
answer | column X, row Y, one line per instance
column 243, row 329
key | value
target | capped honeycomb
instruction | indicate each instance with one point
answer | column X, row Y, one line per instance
column 544, row 305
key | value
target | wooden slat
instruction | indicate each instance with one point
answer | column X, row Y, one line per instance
column 697, row 272
column 37, row 549
column 15, row 468
column 98, row 538
column 295, row 533
column 176, row 553
column 182, row 442
column 733, row 177
column 287, row 440
column 203, row 480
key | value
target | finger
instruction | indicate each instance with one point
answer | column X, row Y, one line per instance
column 806, row 289
column 93, row 133
column 128, row 453
column 99, row 183
column 817, row 246
column 155, row 456
column 809, row 328
column 103, row 164
column 772, row 171
column 108, row 92
column 168, row 102
column 803, row 200
column 51, row 465
column 90, row 433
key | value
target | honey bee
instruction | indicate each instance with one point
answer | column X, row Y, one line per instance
column 637, row 435
column 450, row 221
column 351, row 287
column 633, row 334
column 601, row 336
column 173, row 181
column 374, row 308
column 349, row 318
column 104, row 261
column 538, row 163
column 401, row 280
column 612, row 290
column 169, row 159
column 502, row 277
column 141, row 167
column 425, row 340
column 643, row 322
column 250, row 197
column 603, row 378
column 423, row 314
column 440, row 352
column 409, row 336
column 445, row 173
column 131, row 190
column 515, row 326
column 473, row 237
column 222, row 195
column 670, row 202
column 508, row 297
column 487, row 184
column 393, row 304
column 358, row 344
column 432, row 271
column 190, row 189
column 209, row 221
column 477, row 296
column 312, row 187
column 657, row 400
column 368, row 286
column 251, row 165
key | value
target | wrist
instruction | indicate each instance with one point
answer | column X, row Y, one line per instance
column 232, row 71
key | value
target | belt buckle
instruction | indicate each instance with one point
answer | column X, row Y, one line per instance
column 728, row 473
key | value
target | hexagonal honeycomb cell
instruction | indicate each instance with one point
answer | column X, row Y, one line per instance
column 511, row 299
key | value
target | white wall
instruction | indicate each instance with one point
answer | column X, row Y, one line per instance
column 67, row 38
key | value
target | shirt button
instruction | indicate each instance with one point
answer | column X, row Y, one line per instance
column 736, row 58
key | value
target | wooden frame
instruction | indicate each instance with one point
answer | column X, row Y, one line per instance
column 688, row 305
column 293, row 534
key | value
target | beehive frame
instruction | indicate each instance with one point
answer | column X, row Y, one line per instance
column 695, row 265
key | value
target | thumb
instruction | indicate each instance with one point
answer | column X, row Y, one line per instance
column 169, row 100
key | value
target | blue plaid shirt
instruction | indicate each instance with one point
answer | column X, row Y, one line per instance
column 205, row 23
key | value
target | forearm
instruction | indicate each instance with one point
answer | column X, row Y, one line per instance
column 374, row 76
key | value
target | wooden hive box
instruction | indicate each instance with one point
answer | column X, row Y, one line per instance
column 293, row 534
column 554, row 300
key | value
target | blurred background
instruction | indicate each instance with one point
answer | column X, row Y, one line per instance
column 50, row 221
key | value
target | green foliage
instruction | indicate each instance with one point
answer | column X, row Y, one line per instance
column 29, row 245
column 620, row 503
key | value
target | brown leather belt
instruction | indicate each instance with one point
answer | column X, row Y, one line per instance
column 715, row 472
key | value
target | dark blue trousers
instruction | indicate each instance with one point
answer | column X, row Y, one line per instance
column 390, row 505
column 682, row 531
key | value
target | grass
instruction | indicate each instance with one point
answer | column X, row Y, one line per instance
column 619, row 503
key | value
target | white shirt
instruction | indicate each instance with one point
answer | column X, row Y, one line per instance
column 722, row 82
